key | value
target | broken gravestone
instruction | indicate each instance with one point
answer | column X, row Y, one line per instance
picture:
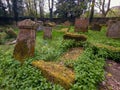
column 25, row 44
column 81, row 25
column 113, row 30
column 47, row 33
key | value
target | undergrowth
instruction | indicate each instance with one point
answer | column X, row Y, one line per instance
column 89, row 68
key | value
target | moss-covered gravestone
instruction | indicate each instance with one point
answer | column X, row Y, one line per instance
column 25, row 45
column 56, row 73
column 81, row 25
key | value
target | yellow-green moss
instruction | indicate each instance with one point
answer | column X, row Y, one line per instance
column 110, row 48
column 56, row 73
column 74, row 36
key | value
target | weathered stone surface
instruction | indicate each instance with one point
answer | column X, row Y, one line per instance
column 67, row 23
column 113, row 30
column 11, row 33
column 47, row 33
column 49, row 24
column 56, row 73
column 81, row 25
column 28, row 24
column 64, row 30
column 24, row 47
column 40, row 27
column 95, row 27
column 76, row 37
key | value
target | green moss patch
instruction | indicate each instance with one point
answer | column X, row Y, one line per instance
column 56, row 73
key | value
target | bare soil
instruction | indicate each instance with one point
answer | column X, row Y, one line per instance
column 112, row 76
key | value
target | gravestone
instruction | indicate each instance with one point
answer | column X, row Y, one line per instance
column 47, row 33
column 49, row 24
column 95, row 27
column 10, row 32
column 67, row 23
column 25, row 44
column 40, row 27
column 81, row 25
column 113, row 30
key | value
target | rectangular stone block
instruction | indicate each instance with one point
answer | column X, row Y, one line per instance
column 47, row 33
column 81, row 25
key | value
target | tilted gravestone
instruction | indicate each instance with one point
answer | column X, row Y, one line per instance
column 25, row 45
column 81, row 25
column 47, row 33
column 113, row 30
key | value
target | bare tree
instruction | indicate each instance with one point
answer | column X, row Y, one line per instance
column 92, row 11
column 9, row 7
column 35, row 5
column 41, row 8
column 50, row 5
column 103, row 7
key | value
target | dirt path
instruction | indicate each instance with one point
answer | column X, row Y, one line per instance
column 112, row 75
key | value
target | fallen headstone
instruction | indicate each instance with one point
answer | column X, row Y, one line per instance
column 56, row 73
column 49, row 24
column 81, row 25
column 25, row 44
column 76, row 37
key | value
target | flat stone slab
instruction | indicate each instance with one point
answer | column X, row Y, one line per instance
column 74, row 36
column 56, row 73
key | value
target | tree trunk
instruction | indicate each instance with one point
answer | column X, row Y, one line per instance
column 9, row 7
column 35, row 5
column 92, row 11
column 51, row 3
column 41, row 8
column 15, row 10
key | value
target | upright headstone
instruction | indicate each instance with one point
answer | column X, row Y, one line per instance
column 67, row 23
column 47, row 33
column 113, row 30
column 40, row 27
column 81, row 25
column 25, row 45
column 95, row 27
